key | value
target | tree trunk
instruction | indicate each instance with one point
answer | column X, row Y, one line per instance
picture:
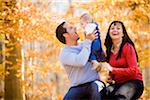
column 2, row 67
column 12, row 82
column 13, row 90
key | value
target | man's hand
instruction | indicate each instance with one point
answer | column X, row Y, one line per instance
column 98, row 69
column 92, row 36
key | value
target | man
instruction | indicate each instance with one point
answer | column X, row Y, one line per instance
column 74, row 57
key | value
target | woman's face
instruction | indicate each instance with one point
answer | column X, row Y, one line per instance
column 116, row 31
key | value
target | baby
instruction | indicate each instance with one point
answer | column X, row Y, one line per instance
column 89, row 26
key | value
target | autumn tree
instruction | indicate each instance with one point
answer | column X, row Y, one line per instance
column 9, row 27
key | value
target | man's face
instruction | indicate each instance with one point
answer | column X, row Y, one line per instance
column 71, row 30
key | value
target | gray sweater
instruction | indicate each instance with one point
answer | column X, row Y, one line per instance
column 75, row 61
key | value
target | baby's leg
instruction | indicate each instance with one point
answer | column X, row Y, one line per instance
column 96, row 49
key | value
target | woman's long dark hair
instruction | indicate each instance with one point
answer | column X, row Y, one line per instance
column 125, row 39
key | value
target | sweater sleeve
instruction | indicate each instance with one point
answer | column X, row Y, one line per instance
column 77, row 60
column 130, row 56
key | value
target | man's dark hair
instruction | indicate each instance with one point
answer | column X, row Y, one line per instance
column 60, row 30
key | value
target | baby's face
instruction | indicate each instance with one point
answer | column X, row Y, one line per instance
column 83, row 22
column 85, row 19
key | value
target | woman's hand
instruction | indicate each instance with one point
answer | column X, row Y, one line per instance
column 109, row 80
column 107, row 66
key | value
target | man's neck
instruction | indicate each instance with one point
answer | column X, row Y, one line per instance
column 72, row 43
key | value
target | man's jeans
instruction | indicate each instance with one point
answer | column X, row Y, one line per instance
column 87, row 91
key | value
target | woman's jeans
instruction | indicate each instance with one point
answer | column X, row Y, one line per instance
column 130, row 90
column 87, row 91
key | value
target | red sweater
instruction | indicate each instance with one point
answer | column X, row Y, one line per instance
column 125, row 68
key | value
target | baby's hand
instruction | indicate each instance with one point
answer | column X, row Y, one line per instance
column 89, row 28
column 92, row 36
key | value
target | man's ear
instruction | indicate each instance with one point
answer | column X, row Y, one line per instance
column 65, row 34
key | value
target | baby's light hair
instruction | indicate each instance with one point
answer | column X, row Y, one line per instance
column 86, row 16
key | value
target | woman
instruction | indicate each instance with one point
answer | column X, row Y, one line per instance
column 122, row 63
